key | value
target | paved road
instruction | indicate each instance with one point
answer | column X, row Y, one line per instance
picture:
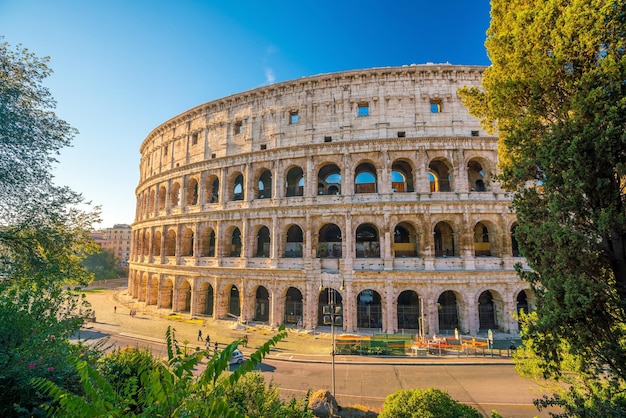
column 485, row 386
column 302, row 362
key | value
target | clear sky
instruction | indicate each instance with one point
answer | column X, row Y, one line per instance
column 123, row 67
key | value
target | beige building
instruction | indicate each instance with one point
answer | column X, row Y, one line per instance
column 373, row 188
column 118, row 239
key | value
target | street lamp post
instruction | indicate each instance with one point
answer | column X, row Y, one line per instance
column 333, row 315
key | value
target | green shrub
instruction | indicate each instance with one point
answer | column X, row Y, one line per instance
column 425, row 403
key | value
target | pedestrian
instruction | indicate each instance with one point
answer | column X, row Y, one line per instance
column 115, row 309
column 215, row 347
column 199, row 335
column 208, row 341
column 245, row 340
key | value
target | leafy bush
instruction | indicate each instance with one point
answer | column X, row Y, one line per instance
column 149, row 388
column 425, row 403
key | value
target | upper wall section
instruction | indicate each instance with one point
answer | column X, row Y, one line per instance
column 409, row 101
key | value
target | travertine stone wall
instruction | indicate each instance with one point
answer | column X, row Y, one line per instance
column 371, row 189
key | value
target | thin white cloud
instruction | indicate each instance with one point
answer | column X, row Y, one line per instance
column 269, row 76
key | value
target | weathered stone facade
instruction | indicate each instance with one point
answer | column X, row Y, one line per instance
column 372, row 187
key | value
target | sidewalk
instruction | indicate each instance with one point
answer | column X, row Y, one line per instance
column 113, row 305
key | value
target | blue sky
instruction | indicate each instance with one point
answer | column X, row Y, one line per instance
column 122, row 67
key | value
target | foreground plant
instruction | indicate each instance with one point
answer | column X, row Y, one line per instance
column 162, row 388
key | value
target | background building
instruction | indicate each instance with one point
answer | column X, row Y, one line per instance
column 373, row 188
column 118, row 239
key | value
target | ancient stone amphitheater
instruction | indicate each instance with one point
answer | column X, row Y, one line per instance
column 370, row 189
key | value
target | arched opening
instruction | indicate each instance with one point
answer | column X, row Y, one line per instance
column 515, row 252
column 212, row 190
column 156, row 244
column 146, row 243
column 367, row 243
column 192, row 192
column 175, row 195
column 408, row 311
column 207, row 243
column 170, row 243
column 151, row 201
column 476, row 177
column 486, row 311
column 401, row 177
column 235, row 243
column 265, row 185
column 187, row 243
column 205, row 299
column 522, row 306
column 448, row 311
column 369, row 312
column 329, row 242
column 184, row 298
column 262, row 305
column 295, row 242
column 365, row 180
column 238, row 190
column 482, row 245
column 294, row 184
column 329, row 180
column 162, row 197
column 293, row 306
column 444, row 240
column 143, row 288
column 153, row 294
column 263, row 242
column 167, row 294
column 404, row 240
column 439, row 175
column 326, row 297
column 234, row 303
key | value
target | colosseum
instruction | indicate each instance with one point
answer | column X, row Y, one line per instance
column 370, row 189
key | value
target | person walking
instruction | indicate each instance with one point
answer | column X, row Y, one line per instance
column 208, row 341
column 200, row 335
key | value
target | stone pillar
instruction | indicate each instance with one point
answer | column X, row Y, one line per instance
column 347, row 178
column 390, row 312
column 248, row 186
column 310, row 179
column 246, row 239
column 276, row 241
column 279, row 181
column 422, row 182
column 223, row 193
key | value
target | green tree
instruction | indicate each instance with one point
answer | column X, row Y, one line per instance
column 43, row 238
column 555, row 94
column 425, row 403
column 103, row 265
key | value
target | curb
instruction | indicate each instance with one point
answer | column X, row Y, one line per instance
column 360, row 360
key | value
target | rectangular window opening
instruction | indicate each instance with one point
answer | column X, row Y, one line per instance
column 194, row 139
column 238, row 128
column 263, row 146
column 401, row 134
column 435, row 106
column 474, row 133
column 293, row 117
column 213, row 155
column 364, row 109
column 328, row 139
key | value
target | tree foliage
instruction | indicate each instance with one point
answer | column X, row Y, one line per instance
column 43, row 238
column 103, row 265
column 555, row 94
column 147, row 387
